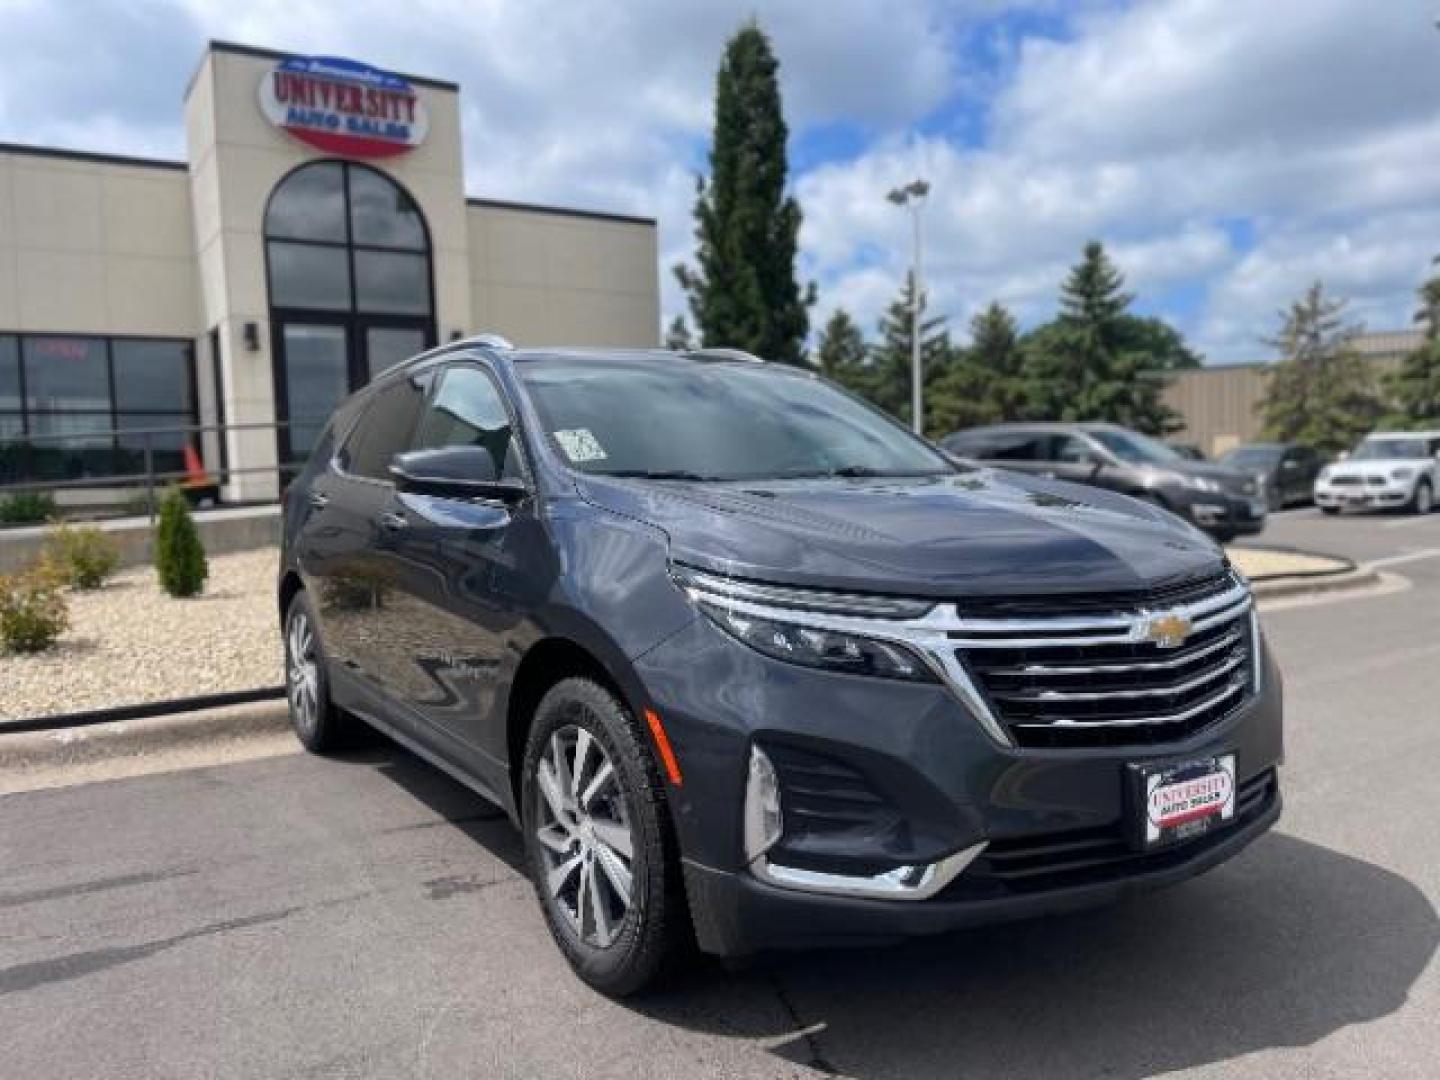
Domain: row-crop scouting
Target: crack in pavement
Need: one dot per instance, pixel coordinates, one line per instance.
(60, 892)
(815, 1058)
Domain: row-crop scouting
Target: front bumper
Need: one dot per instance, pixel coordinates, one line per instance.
(1223, 513)
(1366, 496)
(924, 782)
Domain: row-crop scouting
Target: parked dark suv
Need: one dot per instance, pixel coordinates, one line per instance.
(1225, 502)
(746, 660)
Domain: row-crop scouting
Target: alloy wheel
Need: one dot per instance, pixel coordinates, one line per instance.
(586, 842)
(302, 672)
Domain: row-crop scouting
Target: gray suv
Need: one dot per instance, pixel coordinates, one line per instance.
(1225, 502)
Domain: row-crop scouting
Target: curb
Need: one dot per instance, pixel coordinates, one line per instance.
(1315, 582)
(212, 730)
(141, 711)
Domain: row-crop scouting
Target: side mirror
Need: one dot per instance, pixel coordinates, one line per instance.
(454, 472)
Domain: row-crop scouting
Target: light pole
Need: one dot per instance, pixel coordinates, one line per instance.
(913, 195)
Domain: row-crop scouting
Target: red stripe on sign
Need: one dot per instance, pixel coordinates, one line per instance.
(349, 145)
(1191, 815)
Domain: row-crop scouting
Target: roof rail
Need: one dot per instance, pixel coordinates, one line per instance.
(723, 354)
(491, 341)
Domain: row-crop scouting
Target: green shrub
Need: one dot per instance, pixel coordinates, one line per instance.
(27, 508)
(179, 555)
(84, 557)
(33, 612)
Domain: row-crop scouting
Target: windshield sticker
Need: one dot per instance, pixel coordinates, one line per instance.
(580, 445)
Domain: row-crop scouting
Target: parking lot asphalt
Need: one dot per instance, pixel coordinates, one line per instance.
(363, 916)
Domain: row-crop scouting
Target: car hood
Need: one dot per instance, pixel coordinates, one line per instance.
(978, 533)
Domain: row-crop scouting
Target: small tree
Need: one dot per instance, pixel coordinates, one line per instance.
(179, 554)
(1322, 392)
(677, 338)
(1415, 387)
(33, 612)
(84, 557)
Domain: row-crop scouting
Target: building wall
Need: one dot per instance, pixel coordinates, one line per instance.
(95, 246)
(555, 277)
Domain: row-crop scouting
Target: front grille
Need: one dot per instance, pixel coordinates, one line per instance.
(1346, 481)
(1100, 682)
(1079, 857)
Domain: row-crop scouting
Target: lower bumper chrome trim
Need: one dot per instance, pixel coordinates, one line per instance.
(902, 883)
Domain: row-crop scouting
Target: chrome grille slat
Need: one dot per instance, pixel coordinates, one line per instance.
(1048, 696)
(1043, 670)
(1236, 686)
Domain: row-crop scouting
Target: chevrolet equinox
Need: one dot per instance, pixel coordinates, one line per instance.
(752, 666)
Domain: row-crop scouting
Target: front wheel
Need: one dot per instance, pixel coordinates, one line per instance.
(1423, 501)
(318, 725)
(598, 841)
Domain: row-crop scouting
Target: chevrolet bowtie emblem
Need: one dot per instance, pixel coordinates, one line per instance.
(1168, 631)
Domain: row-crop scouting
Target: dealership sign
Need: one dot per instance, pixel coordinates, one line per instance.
(344, 107)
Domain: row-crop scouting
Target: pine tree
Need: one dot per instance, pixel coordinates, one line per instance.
(891, 377)
(1322, 392)
(179, 554)
(1085, 365)
(743, 291)
(677, 338)
(841, 353)
(999, 362)
(1415, 387)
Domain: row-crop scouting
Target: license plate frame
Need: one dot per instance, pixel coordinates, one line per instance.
(1181, 800)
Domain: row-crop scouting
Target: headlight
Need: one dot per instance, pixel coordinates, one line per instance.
(1199, 483)
(1402, 474)
(810, 647)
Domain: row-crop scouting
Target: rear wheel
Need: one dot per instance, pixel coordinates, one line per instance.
(318, 724)
(598, 841)
(1423, 501)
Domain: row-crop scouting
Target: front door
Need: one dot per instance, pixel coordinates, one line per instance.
(320, 359)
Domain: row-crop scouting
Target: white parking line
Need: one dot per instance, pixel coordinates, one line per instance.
(1409, 556)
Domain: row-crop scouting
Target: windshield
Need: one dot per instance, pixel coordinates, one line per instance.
(714, 421)
(1386, 449)
(1252, 457)
(1135, 448)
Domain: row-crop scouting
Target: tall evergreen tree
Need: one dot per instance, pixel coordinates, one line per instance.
(996, 355)
(1085, 364)
(891, 375)
(677, 337)
(1415, 387)
(1322, 392)
(743, 291)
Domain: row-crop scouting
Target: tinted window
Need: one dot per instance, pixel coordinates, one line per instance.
(469, 411)
(382, 213)
(1135, 448)
(391, 281)
(308, 276)
(724, 421)
(384, 429)
(1016, 446)
(1071, 450)
(309, 204)
(9, 375)
(67, 374)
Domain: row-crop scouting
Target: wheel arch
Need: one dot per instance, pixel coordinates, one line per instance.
(290, 584)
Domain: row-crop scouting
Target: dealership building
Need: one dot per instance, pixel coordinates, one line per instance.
(318, 231)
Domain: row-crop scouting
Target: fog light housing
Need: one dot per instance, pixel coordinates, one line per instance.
(764, 820)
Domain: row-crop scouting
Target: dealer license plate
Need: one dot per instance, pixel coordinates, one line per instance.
(1185, 800)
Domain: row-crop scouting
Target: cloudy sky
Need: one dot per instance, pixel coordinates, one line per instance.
(1229, 151)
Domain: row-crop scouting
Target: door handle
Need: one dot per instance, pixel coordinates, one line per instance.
(318, 499)
(393, 522)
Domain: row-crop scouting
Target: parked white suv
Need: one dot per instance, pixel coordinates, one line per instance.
(1391, 469)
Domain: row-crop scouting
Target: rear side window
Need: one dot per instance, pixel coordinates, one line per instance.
(384, 428)
(1018, 446)
(468, 410)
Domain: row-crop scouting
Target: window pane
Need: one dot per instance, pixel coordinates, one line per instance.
(316, 370)
(76, 445)
(384, 430)
(386, 281)
(152, 375)
(9, 374)
(66, 374)
(167, 446)
(386, 346)
(381, 212)
(309, 205)
(468, 411)
(305, 276)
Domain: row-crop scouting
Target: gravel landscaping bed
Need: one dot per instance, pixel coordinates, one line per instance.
(130, 643)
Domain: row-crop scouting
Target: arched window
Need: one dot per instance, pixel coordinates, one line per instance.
(348, 259)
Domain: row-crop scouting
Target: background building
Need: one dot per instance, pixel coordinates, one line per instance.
(1220, 404)
(318, 232)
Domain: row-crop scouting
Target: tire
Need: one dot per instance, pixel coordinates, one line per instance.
(1423, 501)
(576, 834)
(317, 723)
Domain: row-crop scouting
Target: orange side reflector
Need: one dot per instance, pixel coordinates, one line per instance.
(662, 743)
